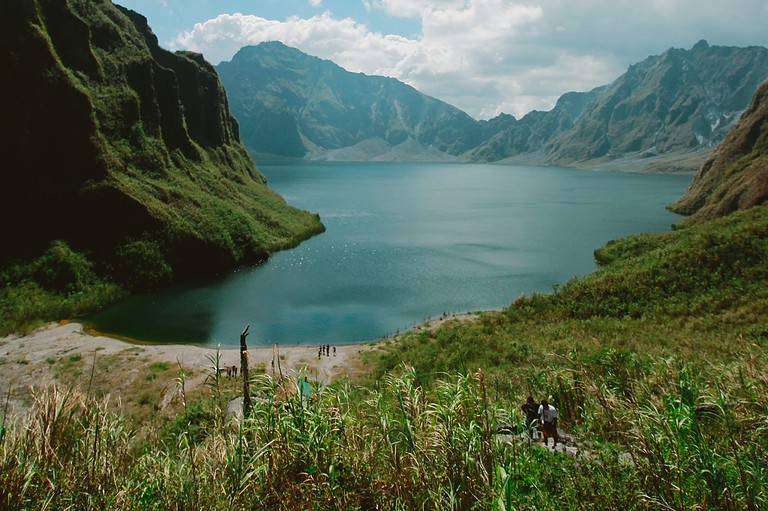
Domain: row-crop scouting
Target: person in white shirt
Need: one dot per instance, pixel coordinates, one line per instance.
(548, 421)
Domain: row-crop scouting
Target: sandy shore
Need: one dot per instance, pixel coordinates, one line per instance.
(142, 375)
(65, 354)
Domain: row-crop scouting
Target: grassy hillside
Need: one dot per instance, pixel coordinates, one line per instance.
(656, 363)
(125, 152)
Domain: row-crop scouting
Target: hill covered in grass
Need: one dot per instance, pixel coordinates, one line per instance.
(125, 151)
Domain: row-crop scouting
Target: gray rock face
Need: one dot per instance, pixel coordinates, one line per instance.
(680, 100)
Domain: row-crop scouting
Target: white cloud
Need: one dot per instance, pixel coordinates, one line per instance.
(315, 3)
(488, 56)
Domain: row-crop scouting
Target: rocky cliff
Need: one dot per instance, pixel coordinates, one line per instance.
(736, 176)
(681, 100)
(109, 140)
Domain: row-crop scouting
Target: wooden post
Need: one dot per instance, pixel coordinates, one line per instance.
(244, 372)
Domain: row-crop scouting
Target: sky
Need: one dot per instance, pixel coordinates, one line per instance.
(483, 56)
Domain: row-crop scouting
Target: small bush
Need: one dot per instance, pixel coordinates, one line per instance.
(61, 269)
(140, 265)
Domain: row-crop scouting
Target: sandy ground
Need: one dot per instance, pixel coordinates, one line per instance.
(142, 376)
(65, 354)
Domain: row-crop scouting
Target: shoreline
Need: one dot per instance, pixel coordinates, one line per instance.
(685, 163)
(428, 323)
(141, 375)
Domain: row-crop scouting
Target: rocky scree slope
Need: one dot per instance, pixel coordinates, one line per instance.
(109, 141)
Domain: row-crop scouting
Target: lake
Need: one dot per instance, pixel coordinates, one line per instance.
(406, 242)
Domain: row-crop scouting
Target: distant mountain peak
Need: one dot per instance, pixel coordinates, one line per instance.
(701, 45)
(292, 104)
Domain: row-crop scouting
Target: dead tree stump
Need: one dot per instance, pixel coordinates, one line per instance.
(244, 373)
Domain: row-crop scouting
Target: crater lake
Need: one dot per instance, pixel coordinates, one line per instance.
(406, 242)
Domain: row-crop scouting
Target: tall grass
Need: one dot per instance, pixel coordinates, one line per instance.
(671, 439)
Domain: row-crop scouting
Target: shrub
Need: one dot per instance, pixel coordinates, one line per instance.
(140, 265)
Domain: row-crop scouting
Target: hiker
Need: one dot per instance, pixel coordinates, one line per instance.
(334, 351)
(548, 421)
(531, 412)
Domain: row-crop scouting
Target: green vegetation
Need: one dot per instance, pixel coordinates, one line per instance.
(656, 363)
(402, 445)
(126, 152)
(61, 283)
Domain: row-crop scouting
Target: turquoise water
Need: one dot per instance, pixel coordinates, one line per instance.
(405, 242)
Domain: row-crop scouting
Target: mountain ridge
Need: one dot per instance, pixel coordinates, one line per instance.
(619, 120)
(313, 105)
(677, 101)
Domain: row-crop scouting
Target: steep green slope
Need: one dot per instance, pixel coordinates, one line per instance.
(736, 177)
(678, 101)
(291, 104)
(108, 140)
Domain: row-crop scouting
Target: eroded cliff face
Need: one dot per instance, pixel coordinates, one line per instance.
(108, 138)
(681, 100)
(736, 176)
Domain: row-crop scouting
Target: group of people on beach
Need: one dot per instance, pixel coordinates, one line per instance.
(325, 350)
(543, 417)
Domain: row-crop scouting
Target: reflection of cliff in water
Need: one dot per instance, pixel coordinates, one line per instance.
(180, 314)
